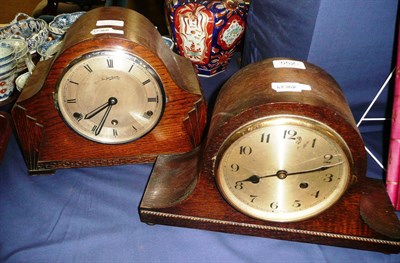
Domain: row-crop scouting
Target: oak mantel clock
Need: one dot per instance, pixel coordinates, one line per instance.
(114, 94)
(286, 161)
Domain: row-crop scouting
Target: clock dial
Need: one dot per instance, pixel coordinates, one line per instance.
(283, 168)
(110, 97)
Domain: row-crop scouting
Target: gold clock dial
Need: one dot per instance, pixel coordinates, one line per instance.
(110, 97)
(283, 168)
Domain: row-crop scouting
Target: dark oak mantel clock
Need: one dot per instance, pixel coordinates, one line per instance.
(283, 159)
(114, 94)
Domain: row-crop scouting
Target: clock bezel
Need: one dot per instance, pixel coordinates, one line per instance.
(115, 53)
(276, 120)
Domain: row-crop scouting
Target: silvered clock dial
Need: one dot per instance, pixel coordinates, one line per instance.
(110, 97)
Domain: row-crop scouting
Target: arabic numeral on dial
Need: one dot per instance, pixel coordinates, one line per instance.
(265, 137)
(290, 134)
(253, 197)
(239, 185)
(328, 178)
(313, 143)
(316, 195)
(328, 158)
(274, 205)
(115, 132)
(245, 150)
(235, 167)
(296, 204)
(94, 128)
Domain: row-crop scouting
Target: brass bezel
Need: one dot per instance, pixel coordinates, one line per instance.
(277, 120)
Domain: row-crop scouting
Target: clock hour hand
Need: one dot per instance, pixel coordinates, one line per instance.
(97, 110)
(282, 174)
(111, 102)
(255, 179)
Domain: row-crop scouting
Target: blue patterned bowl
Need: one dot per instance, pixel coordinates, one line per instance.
(48, 49)
(32, 30)
(62, 23)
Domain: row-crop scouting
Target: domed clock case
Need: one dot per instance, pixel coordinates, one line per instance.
(114, 94)
(283, 158)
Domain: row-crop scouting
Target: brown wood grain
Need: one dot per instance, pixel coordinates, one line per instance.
(57, 146)
(246, 97)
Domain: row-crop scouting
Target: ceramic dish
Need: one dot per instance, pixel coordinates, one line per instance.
(8, 67)
(61, 23)
(20, 46)
(22, 56)
(32, 30)
(7, 53)
(168, 41)
(7, 84)
(47, 49)
(21, 80)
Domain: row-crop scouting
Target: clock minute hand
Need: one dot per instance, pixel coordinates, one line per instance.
(111, 102)
(321, 168)
(282, 174)
(103, 120)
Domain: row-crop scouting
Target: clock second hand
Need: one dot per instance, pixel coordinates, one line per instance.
(282, 174)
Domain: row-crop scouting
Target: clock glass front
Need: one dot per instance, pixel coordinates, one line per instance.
(110, 97)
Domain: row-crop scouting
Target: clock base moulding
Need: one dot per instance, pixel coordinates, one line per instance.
(179, 195)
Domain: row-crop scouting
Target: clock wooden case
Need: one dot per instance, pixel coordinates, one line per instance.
(283, 159)
(114, 94)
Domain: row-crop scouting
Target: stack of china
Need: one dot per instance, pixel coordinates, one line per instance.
(8, 69)
(22, 56)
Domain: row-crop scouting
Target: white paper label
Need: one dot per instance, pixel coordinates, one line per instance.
(110, 23)
(106, 30)
(289, 87)
(286, 63)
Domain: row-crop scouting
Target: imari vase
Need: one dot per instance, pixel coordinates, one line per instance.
(207, 32)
